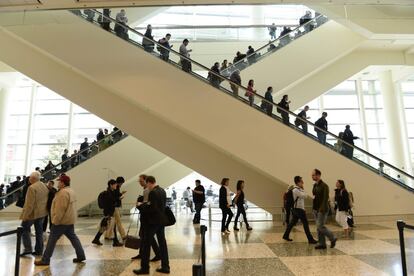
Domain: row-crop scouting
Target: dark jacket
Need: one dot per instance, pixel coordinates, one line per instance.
(50, 198)
(321, 123)
(153, 212)
(240, 200)
(223, 197)
(100, 136)
(321, 199)
(109, 203)
(212, 77)
(84, 146)
(269, 97)
(348, 136)
(302, 115)
(342, 200)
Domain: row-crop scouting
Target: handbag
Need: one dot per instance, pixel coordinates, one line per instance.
(170, 218)
(133, 241)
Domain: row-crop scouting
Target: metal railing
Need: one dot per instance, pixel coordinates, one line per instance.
(277, 44)
(18, 232)
(70, 163)
(401, 225)
(225, 85)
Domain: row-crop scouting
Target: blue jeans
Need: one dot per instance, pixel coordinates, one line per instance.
(56, 231)
(320, 219)
(27, 242)
(321, 137)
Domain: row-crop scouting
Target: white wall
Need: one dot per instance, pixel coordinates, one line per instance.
(185, 118)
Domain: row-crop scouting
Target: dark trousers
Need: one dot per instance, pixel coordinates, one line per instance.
(321, 137)
(287, 215)
(269, 109)
(240, 211)
(27, 242)
(197, 216)
(299, 214)
(304, 127)
(285, 118)
(148, 234)
(227, 214)
(47, 219)
(56, 231)
(186, 65)
(154, 243)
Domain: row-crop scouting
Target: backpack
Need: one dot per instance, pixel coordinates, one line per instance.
(288, 197)
(279, 105)
(101, 200)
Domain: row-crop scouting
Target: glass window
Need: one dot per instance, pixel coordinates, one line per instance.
(407, 86)
(51, 121)
(16, 152)
(340, 101)
(18, 122)
(374, 115)
(52, 106)
(15, 136)
(52, 136)
(344, 117)
(43, 93)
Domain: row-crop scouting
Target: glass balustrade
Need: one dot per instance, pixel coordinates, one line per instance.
(260, 104)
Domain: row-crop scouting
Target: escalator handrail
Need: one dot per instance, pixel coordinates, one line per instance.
(69, 160)
(255, 94)
(315, 19)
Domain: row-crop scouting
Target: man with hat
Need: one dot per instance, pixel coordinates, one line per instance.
(63, 215)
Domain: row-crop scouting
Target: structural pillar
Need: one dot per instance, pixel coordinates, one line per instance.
(394, 123)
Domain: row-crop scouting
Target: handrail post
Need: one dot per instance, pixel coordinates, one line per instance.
(203, 230)
(400, 226)
(18, 246)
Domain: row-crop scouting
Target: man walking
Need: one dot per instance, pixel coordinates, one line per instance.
(34, 212)
(321, 123)
(198, 198)
(298, 211)
(320, 210)
(63, 215)
(153, 213)
(116, 222)
(140, 201)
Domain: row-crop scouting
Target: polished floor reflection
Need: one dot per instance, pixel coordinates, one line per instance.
(373, 250)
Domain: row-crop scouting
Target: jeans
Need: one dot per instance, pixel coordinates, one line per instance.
(148, 235)
(299, 214)
(56, 231)
(285, 118)
(227, 213)
(320, 219)
(27, 242)
(304, 127)
(47, 219)
(321, 137)
(251, 100)
(197, 216)
(240, 211)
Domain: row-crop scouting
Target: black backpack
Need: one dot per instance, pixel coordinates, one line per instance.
(101, 199)
(289, 199)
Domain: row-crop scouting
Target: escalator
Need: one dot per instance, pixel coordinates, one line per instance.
(207, 129)
(91, 168)
(290, 60)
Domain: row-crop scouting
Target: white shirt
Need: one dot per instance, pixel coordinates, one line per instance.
(300, 195)
(228, 195)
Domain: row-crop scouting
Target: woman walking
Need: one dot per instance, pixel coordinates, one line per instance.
(239, 201)
(224, 204)
(342, 206)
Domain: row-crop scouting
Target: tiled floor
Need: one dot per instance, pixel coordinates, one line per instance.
(373, 250)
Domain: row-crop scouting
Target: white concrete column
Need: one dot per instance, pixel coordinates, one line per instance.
(393, 121)
(4, 111)
(362, 115)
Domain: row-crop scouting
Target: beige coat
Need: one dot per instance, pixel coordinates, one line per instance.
(35, 202)
(63, 211)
